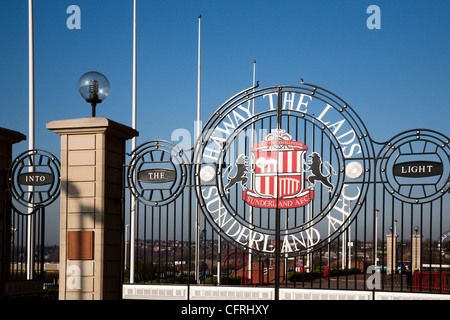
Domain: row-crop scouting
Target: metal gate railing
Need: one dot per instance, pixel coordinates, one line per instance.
(34, 183)
(27, 240)
(434, 281)
(23, 260)
(346, 212)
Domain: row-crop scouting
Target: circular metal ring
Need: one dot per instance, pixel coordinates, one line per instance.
(34, 178)
(415, 166)
(157, 172)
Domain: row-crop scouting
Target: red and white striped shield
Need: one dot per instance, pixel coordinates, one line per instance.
(277, 176)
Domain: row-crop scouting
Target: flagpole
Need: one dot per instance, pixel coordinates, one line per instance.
(253, 141)
(30, 75)
(134, 114)
(197, 222)
(198, 76)
(31, 137)
(133, 147)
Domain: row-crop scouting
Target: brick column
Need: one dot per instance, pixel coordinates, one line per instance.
(92, 158)
(7, 139)
(391, 257)
(416, 252)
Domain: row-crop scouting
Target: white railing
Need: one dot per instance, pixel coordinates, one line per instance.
(184, 292)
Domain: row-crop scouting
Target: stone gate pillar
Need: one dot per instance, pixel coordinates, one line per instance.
(7, 139)
(416, 262)
(92, 158)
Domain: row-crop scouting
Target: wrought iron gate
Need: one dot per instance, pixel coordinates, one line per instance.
(21, 223)
(34, 183)
(286, 188)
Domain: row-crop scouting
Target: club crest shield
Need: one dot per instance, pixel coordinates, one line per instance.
(278, 173)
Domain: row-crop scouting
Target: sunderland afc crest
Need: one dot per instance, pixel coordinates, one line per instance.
(278, 173)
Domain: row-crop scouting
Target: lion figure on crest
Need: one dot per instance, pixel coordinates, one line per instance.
(316, 171)
(241, 166)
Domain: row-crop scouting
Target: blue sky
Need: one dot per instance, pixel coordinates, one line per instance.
(396, 78)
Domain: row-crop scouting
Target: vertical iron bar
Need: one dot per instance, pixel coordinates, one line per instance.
(159, 244)
(182, 236)
(190, 229)
(277, 213)
(174, 247)
(345, 254)
(401, 249)
(383, 211)
(21, 247)
(212, 256)
(42, 242)
(440, 246)
(6, 247)
(411, 228)
(355, 250)
(167, 239)
(338, 251)
(431, 244)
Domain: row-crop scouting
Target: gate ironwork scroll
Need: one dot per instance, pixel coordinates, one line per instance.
(289, 178)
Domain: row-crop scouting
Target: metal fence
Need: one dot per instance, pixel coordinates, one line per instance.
(380, 221)
(27, 240)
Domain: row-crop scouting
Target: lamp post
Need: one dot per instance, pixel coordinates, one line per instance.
(94, 88)
(393, 229)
